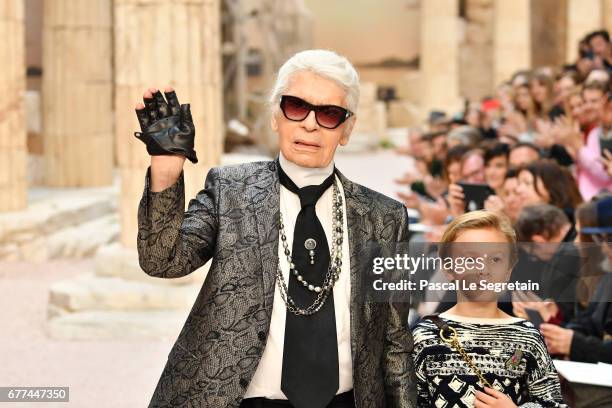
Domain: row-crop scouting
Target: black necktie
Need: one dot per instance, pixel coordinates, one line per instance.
(310, 352)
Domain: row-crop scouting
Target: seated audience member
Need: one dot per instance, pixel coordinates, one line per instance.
(463, 135)
(472, 115)
(472, 171)
(567, 127)
(503, 135)
(599, 44)
(476, 115)
(432, 208)
(496, 165)
(522, 154)
(573, 107)
(503, 94)
(427, 168)
(590, 172)
(541, 182)
(598, 75)
(413, 139)
(473, 166)
(490, 109)
(541, 89)
(462, 357)
(584, 62)
(547, 256)
(452, 163)
(435, 213)
(507, 201)
(437, 121)
(439, 148)
(520, 121)
(588, 336)
(564, 85)
(545, 182)
(591, 271)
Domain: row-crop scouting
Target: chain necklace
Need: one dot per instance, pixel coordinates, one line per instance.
(333, 271)
(453, 341)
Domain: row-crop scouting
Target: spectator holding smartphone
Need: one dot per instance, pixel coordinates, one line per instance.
(588, 336)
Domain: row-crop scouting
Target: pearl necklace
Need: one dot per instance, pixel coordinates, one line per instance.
(333, 271)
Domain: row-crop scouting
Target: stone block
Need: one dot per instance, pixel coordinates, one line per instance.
(367, 93)
(91, 292)
(402, 113)
(115, 260)
(409, 87)
(34, 249)
(9, 252)
(372, 121)
(83, 240)
(117, 325)
(60, 223)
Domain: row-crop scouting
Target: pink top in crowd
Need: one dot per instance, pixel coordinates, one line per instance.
(591, 175)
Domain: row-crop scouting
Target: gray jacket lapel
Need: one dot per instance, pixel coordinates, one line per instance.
(267, 213)
(356, 209)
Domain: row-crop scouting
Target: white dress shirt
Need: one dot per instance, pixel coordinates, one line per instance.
(267, 379)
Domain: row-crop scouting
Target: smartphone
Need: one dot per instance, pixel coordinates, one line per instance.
(605, 143)
(534, 317)
(475, 195)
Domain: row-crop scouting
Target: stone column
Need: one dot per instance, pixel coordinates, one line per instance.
(583, 16)
(156, 43)
(476, 50)
(13, 151)
(439, 55)
(548, 30)
(77, 93)
(606, 13)
(511, 38)
(160, 43)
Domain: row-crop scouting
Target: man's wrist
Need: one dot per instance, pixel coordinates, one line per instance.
(165, 171)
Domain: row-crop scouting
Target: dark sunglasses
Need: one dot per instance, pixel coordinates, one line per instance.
(327, 116)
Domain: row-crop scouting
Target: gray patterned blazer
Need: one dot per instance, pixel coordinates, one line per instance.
(234, 222)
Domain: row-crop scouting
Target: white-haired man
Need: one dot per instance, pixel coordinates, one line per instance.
(280, 320)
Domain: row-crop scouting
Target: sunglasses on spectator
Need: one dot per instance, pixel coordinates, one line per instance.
(327, 116)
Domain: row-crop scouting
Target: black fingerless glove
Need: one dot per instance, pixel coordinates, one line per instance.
(167, 127)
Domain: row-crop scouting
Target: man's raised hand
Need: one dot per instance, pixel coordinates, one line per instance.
(166, 125)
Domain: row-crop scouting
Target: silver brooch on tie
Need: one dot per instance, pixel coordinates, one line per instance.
(310, 244)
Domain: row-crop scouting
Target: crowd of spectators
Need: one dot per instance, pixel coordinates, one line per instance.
(540, 149)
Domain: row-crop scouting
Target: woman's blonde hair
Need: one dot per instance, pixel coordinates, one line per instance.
(479, 219)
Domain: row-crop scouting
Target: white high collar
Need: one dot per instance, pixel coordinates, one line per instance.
(305, 176)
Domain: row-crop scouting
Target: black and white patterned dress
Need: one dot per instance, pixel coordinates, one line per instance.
(510, 353)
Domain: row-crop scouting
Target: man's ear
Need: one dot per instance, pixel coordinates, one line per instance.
(273, 122)
(348, 129)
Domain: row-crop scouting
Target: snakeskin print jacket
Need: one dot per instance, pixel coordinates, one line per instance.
(234, 221)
